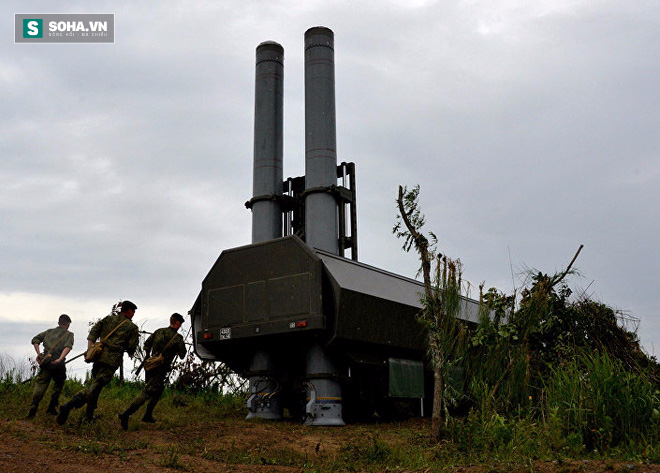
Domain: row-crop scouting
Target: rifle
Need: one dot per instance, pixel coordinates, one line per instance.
(141, 365)
(75, 357)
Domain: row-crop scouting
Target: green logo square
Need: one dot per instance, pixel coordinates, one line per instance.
(33, 28)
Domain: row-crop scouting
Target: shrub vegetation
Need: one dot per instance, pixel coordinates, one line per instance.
(545, 372)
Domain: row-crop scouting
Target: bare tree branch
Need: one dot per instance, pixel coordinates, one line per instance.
(563, 275)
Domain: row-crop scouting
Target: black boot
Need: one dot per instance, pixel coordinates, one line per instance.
(64, 413)
(123, 420)
(89, 415)
(149, 414)
(32, 412)
(65, 408)
(52, 408)
(124, 416)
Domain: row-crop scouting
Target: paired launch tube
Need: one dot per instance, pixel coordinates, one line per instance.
(321, 225)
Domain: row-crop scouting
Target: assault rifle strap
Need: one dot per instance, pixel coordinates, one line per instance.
(168, 344)
(114, 330)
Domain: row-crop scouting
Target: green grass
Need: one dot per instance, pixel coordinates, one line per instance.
(596, 402)
(591, 409)
(172, 459)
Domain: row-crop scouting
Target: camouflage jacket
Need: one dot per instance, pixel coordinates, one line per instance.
(124, 339)
(160, 338)
(50, 340)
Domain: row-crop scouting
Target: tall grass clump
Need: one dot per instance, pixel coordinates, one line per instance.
(603, 403)
(13, 372)
(13, 390)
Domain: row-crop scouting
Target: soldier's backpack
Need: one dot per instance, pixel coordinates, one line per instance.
(154, 362)
(94, 352)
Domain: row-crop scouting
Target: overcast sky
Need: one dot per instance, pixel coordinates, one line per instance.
(531, 127)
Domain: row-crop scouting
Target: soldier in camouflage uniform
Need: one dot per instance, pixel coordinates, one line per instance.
(58, 342)
(163, 341)
(124, 339)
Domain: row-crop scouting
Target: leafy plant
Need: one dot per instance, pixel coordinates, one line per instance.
(441, 305)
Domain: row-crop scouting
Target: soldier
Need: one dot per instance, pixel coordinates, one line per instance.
(124, 338)
(167, 342)
(58, 342)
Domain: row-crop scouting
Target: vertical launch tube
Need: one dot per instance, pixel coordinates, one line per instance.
(324, 399)
(268, 142)
(320, 139)
(266, 209)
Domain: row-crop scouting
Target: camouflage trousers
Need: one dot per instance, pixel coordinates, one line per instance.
(153, 390)
(101, 376)
(56, 373)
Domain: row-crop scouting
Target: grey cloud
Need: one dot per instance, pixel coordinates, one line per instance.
(530, 128)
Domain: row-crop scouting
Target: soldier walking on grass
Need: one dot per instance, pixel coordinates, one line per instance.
(168, 343)
(57, 342)
(118, 335)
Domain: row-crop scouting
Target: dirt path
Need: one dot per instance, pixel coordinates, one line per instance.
(29, 447)
(232, 446)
